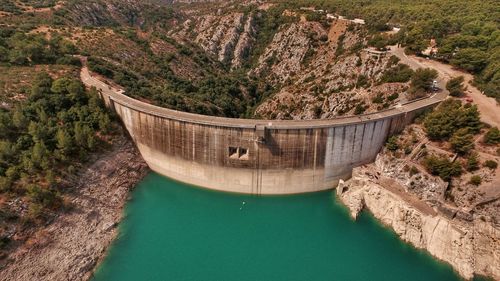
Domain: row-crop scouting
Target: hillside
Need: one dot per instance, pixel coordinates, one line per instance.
(244, 59)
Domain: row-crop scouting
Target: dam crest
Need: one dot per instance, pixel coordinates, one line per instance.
(255, 156)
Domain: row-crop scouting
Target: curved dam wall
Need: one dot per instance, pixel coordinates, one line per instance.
(255, 156)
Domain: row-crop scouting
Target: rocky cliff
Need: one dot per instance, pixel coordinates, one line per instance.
(471, 247)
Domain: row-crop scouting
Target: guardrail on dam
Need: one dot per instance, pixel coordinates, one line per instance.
(255, 156)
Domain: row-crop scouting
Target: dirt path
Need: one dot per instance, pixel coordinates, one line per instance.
(487, 106)
(71, 246)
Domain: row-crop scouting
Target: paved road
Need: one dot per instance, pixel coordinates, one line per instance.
(487, 106)
(117, 96)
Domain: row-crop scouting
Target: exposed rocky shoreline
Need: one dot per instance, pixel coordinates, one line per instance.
(470, 246)
(75, 242)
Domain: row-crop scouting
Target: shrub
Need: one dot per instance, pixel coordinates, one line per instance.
(401, 73)
(475, 180)
(450, 116)
(462, 141)
(378, 99)
(360, 108)
(472, 162)
(442, 167)
(491, 164)
(413, 171)
(492, 136)
(421, 82)
(455, 86)
(392, 143)
(362, 82)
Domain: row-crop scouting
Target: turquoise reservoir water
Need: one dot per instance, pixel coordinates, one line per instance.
(177, 232)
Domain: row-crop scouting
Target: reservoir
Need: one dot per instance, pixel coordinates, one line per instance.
(172, 231)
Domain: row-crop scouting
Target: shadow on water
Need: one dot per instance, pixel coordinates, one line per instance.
(172, 231)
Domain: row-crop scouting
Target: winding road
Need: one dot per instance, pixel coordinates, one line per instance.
(487, 106)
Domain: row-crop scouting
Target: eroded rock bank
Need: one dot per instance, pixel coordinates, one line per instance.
(471, 246)
(73, 244)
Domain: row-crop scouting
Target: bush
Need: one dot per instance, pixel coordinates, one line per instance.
(475, 180)
(450, 116)
(462, 141)
(491, 164)
(43, 197)
(455, 86)
(421, 82)
(360, 108)
(472, 162)
(442, 167)
(401, 73)
(492, 136)
(413, 171)
(378, 99)
(392, 143)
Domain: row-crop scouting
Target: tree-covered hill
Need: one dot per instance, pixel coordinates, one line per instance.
(467, 32)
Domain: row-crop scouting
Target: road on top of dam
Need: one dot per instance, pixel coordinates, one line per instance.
(117, 95)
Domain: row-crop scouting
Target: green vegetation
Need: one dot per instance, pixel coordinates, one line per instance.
(400, 73)
(392, 143)
(472, 162)
(213, 95)
(492, 136)
(413, 171)
(491, 164)
(475, 180)
(455, 86)
(39, 3)
(19, 48)
(462, 141)
(466, 32)
(449, 117)
(359, 109)
(9, 6)
(421, 82)
(42, 138)
(442, 167)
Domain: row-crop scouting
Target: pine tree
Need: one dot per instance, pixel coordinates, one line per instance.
(64, 142)
(462, 141)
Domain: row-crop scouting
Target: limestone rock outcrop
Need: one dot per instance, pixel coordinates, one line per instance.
(470, 247)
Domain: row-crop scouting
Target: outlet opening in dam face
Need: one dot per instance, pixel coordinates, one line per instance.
(174, 231)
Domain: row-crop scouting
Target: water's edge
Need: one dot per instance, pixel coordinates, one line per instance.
(366, 220)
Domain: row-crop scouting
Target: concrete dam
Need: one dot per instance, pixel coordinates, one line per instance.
(255, 156)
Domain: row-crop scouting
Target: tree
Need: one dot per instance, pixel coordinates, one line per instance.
(470, 59)
(401, 73)
(455, 86)
(462, 141)
(472, 162)
(104, 123)
(450, 116)
(39, 155)
(64, 142)
(40, 86)
(421, 82)
(442, 167)
(392, 143)
(492, 136)
(18, 118)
